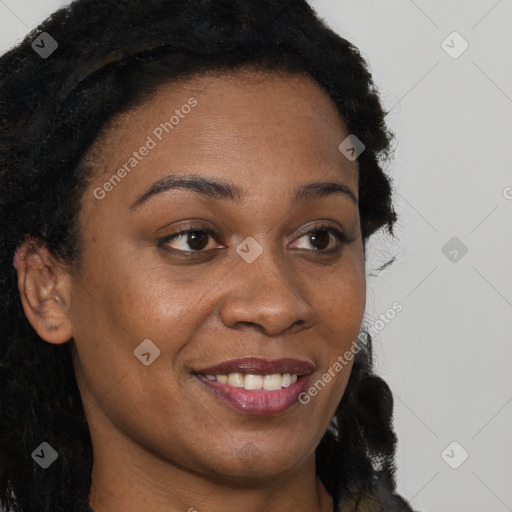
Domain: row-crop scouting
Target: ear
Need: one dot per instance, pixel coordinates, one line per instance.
(45, 288)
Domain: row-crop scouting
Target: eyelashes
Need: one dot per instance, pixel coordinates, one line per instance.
(197, 238)
(185, 233)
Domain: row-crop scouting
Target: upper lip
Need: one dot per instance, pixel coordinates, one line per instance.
(258, 366)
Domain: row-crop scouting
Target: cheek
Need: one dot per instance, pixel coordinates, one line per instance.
(115, 308)
(340, 305)
(113, 314)
(340, 298)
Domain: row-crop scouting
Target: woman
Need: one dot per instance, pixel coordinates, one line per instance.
(187, 188)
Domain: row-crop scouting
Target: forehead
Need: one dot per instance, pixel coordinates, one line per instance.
(252, 127)
(238, 107)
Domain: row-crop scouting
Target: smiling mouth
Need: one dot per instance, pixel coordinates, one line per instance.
(254, 382)
(262, 402)
(260, 366)
(257, 386)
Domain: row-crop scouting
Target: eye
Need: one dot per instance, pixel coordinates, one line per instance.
(194, 240)
(190, 239)
(323, 236)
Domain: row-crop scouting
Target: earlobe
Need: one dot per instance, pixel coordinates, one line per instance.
(44, 287)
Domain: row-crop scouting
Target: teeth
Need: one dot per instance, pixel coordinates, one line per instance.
(287, 380)
(236, 379)
(255, 382)
(223, 379)
(272, 382)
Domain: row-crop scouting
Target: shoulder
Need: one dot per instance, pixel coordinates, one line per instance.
(378, 497)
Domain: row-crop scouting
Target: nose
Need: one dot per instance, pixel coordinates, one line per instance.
(266, 295)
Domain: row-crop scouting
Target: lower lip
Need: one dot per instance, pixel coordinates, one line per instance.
(260, 402)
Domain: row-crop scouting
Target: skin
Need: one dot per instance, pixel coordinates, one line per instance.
(161, 440)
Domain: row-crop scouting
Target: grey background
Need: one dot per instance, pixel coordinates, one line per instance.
(447, 354)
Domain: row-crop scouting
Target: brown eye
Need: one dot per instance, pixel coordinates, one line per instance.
(189, 240)
(321, 237)
(197, 240)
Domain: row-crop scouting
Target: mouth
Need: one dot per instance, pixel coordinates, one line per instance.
(257, 386)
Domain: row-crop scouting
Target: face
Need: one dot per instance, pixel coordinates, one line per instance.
(262, 281)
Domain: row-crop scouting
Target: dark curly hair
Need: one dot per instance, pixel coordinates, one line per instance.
(111, 56)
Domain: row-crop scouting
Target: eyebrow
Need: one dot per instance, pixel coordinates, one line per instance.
(223, 190)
